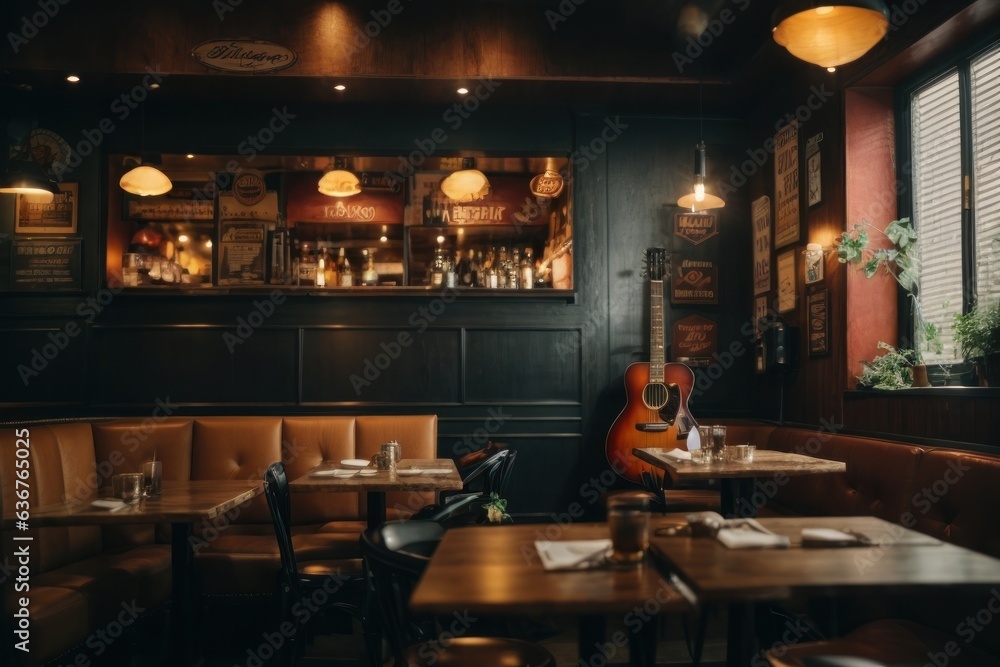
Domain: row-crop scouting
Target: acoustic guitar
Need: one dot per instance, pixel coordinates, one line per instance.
(656, 414)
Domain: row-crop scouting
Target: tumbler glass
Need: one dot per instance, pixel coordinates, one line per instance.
(628, 522)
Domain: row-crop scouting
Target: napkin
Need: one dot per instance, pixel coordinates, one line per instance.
(678, 454)
(333, 472)
(748, 534)
(830, 537)
(108, 504)
(426, 471)
(572, 554)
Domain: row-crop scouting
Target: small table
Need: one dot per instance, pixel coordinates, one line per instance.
(737, 480)
(496, 570)
(376, 485)
(181, 504)
(899, 560)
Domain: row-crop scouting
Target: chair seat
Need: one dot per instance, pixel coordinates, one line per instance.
(321, 569)
(887, 641)
(479, 652)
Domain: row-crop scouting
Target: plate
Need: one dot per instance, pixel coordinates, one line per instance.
(409, 472)
(329, 472)
(368, 473)
(356, 464)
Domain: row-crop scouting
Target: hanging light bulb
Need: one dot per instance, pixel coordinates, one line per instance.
(337, 181)
(467, 184)
(831, 33)
(699, 199)
(24, 174)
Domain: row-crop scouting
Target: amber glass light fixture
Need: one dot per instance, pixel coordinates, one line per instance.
(145, 180)
(830, 35)
(698, 199)
(467, 184)
(338, 181)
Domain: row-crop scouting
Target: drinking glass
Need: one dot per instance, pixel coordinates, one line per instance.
(131, 487)
(152, 478)
(628, 522)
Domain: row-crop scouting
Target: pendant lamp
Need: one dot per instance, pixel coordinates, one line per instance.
(24, 175)
(337, 181)
(699, 200)
(467, 184)
(830, 33)
(145, 180)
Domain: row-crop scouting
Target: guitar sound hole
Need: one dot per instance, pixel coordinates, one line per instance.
(655, 396)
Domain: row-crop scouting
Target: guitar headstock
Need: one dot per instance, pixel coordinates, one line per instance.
(656, 263)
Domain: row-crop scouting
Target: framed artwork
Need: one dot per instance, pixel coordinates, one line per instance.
(786, 185)
(818, 305)
(813, 264)
(56, 217)
(815, 181)
(786, 281)
(760, 215)
(760, 312)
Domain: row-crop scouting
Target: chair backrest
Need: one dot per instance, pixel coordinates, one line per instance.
(486, 475)
(279, 501)
(396, 555)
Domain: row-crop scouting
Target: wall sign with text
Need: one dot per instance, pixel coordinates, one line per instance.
(696, 228)
(695, 281)
(786, 185)
(818, 306)
(761, 221)
(47, 264)
(694, 336)
(244, 56)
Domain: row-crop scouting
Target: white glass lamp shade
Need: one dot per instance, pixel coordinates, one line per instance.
(466, 185)
(146, 181)
(339, 183)
(830, 35)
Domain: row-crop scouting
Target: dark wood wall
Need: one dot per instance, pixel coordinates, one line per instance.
(543, 373)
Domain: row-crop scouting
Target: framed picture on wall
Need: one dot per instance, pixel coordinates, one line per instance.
(56, 217)
(818, 305)
(786, 281)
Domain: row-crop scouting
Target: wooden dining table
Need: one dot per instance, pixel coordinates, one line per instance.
(181, 504)
(894, 560)
(738, 481)
(376, 486)
(496, 570)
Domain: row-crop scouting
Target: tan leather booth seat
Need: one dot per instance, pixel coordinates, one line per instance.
(81, 576)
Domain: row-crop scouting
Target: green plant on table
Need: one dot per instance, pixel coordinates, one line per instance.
(496, 509)
(892, 370)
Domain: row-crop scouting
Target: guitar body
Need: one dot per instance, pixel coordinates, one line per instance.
(656, 415)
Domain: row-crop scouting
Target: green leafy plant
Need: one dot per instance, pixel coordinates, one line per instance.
(977, 332)
(892, 370)
(899, 261)
(496, 509)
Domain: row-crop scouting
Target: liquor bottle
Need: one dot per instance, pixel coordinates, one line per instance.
(280, 253)
(463, 268)
(369, 277)
(346, 274)
(450, 274)
(437, 268)
(502, 268)
(321, 262)
(514, 270)
(492, 280)
(476, 267)
(332, 271)
(527, 270)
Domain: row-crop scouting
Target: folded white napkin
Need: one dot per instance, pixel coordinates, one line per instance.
(742, 538)
(107, 504)
(333, 472)
(678, 454)
(572, 554)
(423, 471)
(830, 537)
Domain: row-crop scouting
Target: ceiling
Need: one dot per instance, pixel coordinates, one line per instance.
(625, 55)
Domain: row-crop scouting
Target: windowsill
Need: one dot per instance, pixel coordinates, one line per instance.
(950, 392)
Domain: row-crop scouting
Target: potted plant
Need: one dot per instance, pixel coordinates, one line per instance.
(977, 334)
(900, 262)
(892, 370)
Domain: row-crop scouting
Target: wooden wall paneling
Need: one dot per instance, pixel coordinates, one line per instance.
(522, 365)
(394, 365)
(266, 367)
(44, 363)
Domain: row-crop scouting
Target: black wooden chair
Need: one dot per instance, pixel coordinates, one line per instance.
(329, 585)
(396, 555)
(489, 476)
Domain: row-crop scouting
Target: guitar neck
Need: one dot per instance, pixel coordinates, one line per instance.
(656, 332)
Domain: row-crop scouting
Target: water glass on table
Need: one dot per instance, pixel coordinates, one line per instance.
(713, 439)
(130, 487)
(152, 478)
(628, 523)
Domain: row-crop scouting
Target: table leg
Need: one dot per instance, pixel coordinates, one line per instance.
(740, 634)
(642, 644)
(591, 636)
(737, 497)
(183, 606)
(376, 508)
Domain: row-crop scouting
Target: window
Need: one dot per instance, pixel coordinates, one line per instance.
(954, 122)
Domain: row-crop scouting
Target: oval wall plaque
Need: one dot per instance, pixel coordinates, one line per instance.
(249, 188)
(244, 56)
